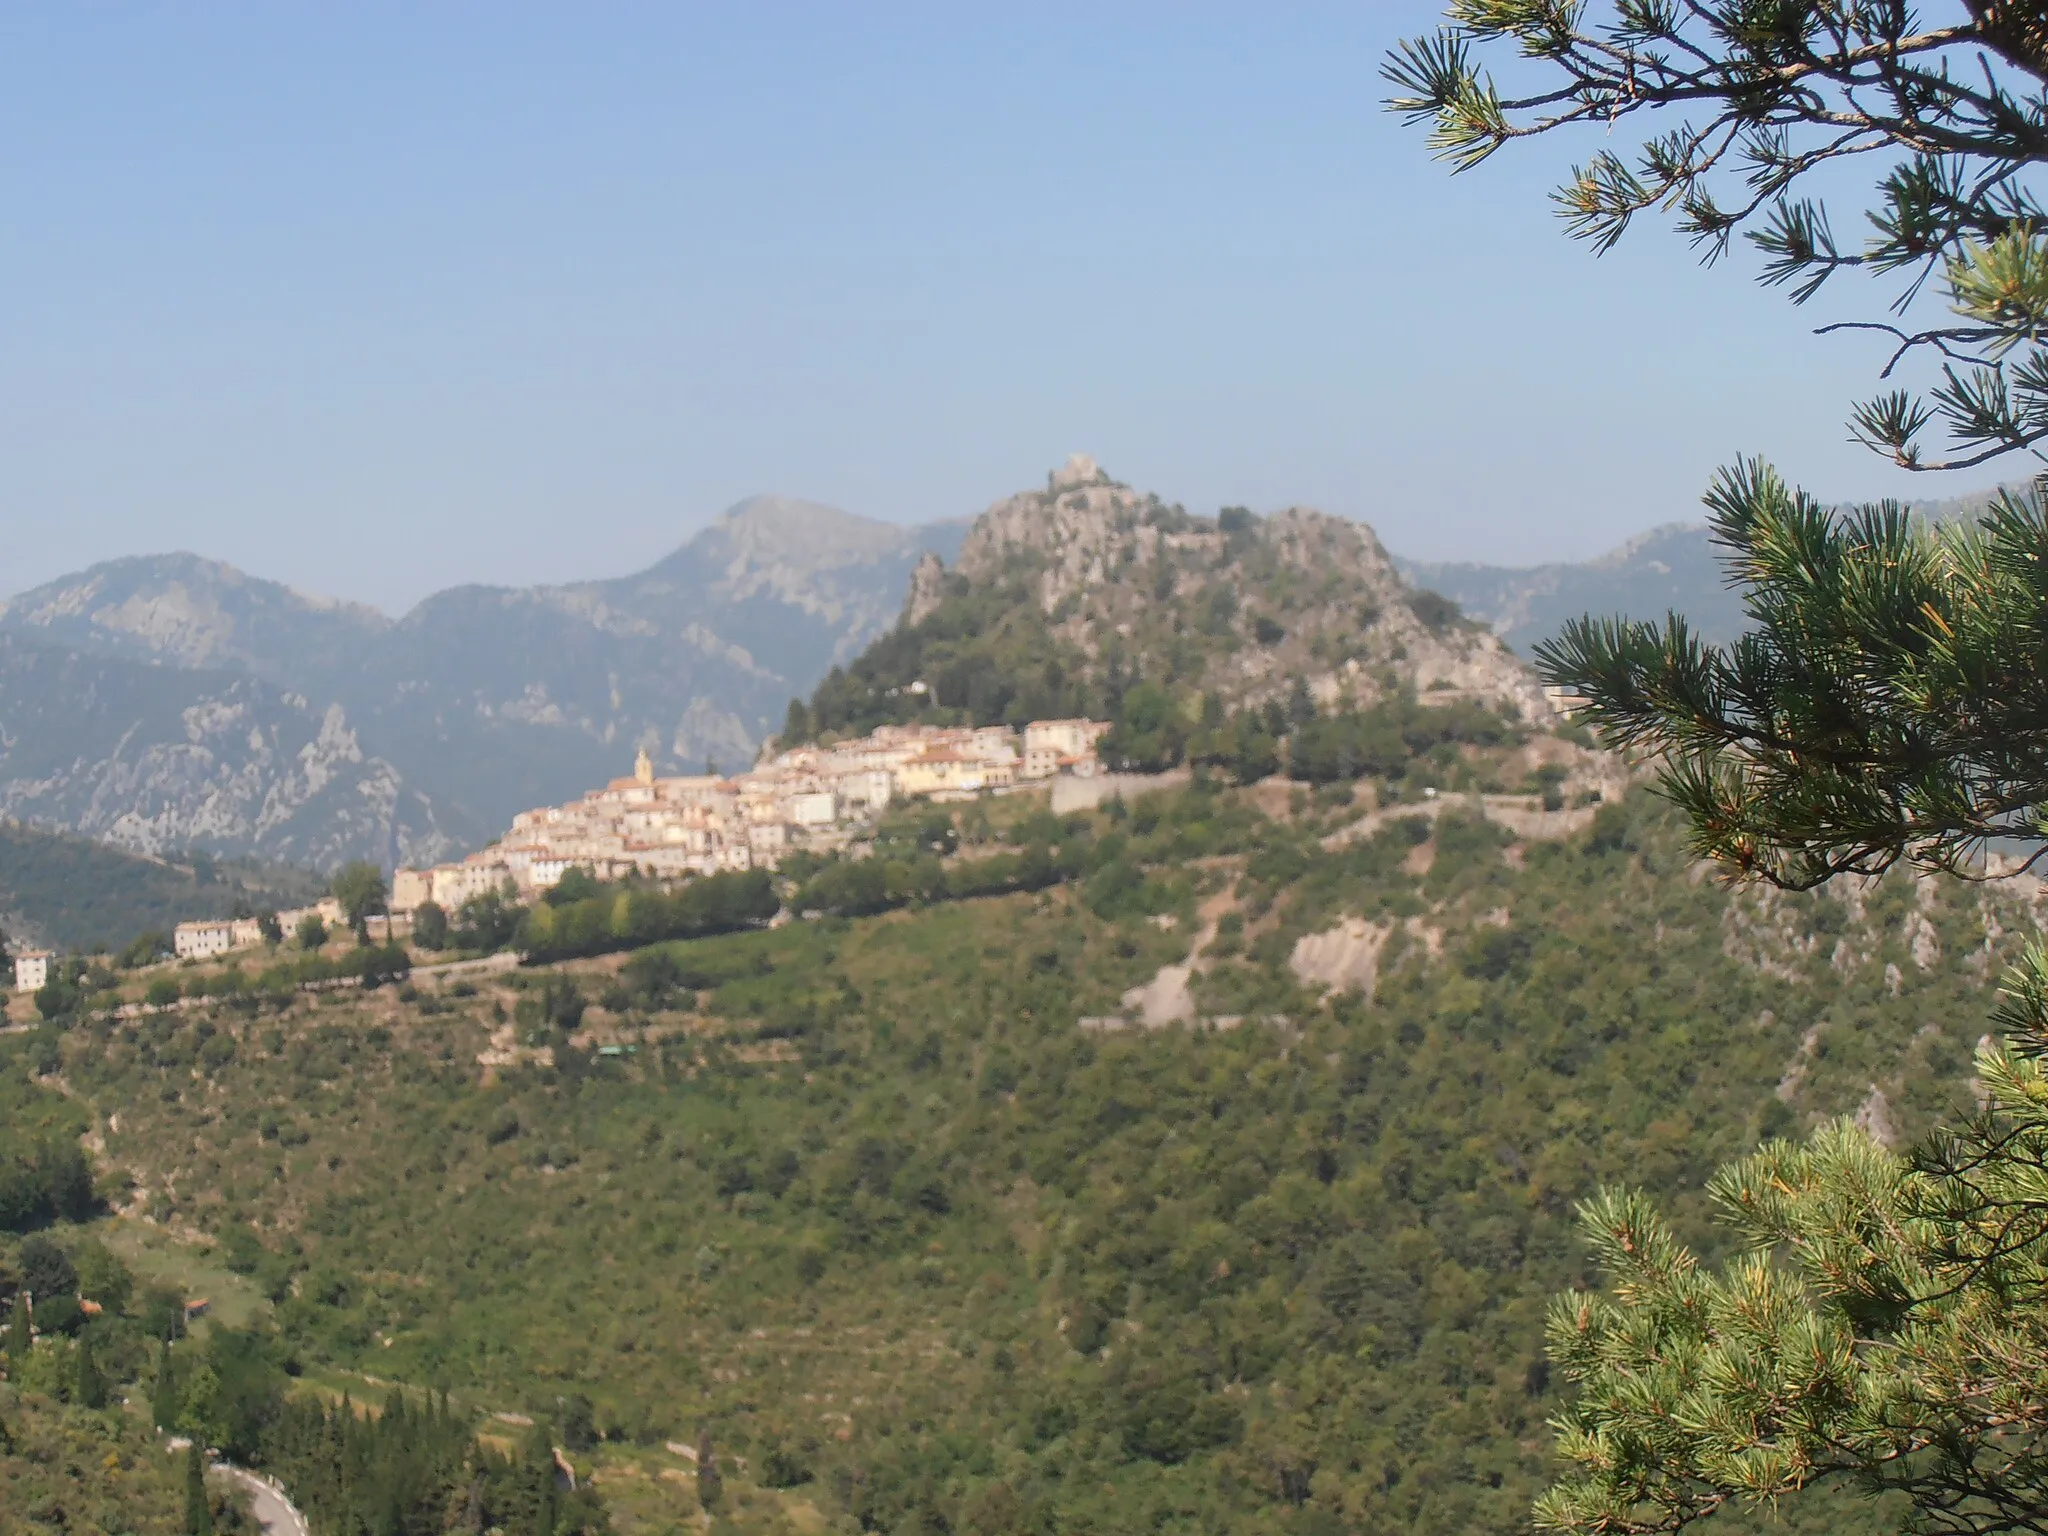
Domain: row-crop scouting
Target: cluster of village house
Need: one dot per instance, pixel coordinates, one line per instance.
(813, 797)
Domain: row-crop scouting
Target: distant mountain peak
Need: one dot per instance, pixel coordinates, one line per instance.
(787, 530)
(188, 610)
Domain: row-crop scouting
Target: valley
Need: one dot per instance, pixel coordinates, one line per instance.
(1182, 993)
(1196, 1153)
(862, 1197)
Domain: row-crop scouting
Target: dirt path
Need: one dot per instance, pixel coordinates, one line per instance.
(1522, 815)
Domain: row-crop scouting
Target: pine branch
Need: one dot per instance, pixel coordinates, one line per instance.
(1789, 87)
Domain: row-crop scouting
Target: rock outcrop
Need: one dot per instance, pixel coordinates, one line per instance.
(1345, 958)
(1298, 594)
(158, 760)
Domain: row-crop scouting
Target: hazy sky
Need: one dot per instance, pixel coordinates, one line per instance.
(379, 298)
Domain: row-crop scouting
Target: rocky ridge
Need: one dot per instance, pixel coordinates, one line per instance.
(1673, 568)
(1297, 594)
(160, 759)
(188, 611)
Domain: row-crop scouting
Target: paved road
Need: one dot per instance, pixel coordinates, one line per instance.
(273, 1511)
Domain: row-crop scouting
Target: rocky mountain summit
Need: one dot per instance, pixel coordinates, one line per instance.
(1064, 596)
(170, 701)
(187, 611)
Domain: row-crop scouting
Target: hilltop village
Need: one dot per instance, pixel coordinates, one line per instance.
(810, 797)
(814, 797)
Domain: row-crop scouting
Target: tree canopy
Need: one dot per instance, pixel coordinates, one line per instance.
(1949, 116)
(1882, 1323)
(1890, 701)
(360, 889)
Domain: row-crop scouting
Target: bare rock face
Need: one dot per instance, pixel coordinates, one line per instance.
(1345, 958)
(1079, 470)
(1163, 1000)
(192, 612)
(157, 760)
(1874, 1118)
(927, 586)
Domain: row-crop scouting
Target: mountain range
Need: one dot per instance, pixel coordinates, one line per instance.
(1673, 568)
(1669, 569)
(167, 701)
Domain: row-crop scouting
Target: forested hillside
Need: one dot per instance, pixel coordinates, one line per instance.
(84, 1473)
(77, 894)
(914, 1217)
(1202, 1163)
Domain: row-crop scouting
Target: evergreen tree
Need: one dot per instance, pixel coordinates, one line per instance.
(534, 1491)
(359, 887)
(1885, 1320)
(1776, 92)
(710, 1486)
(1891, 701)
(89, 1385)
(1885, 1323)
(796, 724)
(163, 1396)
(198, 1512)
(430, 925)
(18, 1334)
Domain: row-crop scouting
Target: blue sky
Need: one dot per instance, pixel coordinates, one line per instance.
(379, 298)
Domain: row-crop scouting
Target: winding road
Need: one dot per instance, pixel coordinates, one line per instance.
(273, 1511)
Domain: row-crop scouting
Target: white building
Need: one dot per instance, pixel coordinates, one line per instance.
(818, 808)
(327, 909)
(456, 884)
(202, 941)
(1063, 738)
(32, 970)
(545, 871)
(869, 788)
(808, 797)
(411, 889)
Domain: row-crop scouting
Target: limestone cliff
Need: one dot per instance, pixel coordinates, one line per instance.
(158, 760)
(1237, 607)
